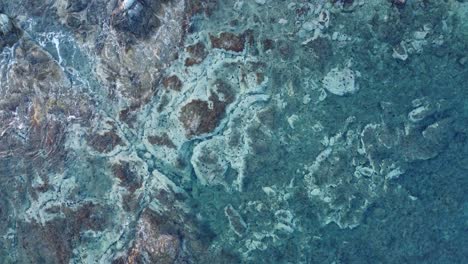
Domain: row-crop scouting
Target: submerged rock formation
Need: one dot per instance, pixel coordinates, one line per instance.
(205, 131)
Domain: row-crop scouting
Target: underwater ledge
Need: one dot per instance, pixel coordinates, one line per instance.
(254, 131)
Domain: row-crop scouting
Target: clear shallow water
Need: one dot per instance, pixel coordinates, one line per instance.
(234, 132)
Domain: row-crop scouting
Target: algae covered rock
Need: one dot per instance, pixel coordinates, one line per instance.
(208, 131)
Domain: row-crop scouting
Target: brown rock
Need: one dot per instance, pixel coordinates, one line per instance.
(162, 140)
(199, 117)
(127, 116)
(195, 7)
(88, 217)
(161, 245)
(172, 83)
(197, 54)
(106, 142)
(228, 41)
(45, 244)
(128, 178)
(53, 242)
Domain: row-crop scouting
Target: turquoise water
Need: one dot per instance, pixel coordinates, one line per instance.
(253, 131)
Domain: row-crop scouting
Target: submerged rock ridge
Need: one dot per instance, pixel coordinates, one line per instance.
(253, 131)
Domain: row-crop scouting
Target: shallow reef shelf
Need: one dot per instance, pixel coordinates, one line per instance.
(243, 131)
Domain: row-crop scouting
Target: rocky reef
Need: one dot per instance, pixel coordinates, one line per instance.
(253, 131)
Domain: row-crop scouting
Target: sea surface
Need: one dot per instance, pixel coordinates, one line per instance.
(234, 131)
